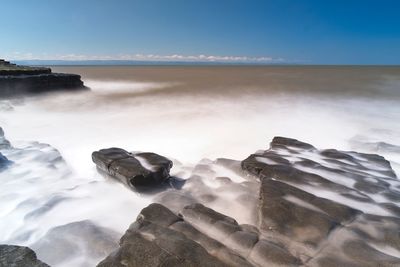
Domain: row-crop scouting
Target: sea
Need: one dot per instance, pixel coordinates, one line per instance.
(186, 113)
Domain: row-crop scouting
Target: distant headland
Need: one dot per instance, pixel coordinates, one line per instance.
(16, 80)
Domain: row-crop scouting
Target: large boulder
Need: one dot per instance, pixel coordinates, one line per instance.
(136, 170)
(17, 256)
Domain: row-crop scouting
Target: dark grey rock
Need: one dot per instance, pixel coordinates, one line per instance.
(4, 143)
(284, 142)
(337, 230)
(150, 244)
(265, 251)
(21, 80)
(138, 171)
(17, 256)
(200, 237)
(158, 214)
(4, 162)
(310, 224)
(302, 206)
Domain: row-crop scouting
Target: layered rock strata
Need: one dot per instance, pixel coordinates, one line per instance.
(136, 170)
(21, 80)
(314, 208)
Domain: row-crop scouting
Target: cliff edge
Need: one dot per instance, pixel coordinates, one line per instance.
(18, 80)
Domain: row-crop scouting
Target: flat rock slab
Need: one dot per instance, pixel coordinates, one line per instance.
(17, 256)
(334, 208)
(139, 171)
(199, 236)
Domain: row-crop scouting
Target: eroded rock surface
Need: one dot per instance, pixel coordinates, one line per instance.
(136, 170)
(17, 256)
(290, 205)
(328, 205)
(199, 236)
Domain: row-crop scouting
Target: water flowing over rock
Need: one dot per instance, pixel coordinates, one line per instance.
(39, 200)
(17, 256)
(314, 208)
(321, 203)
(64, 243)
(136, 170)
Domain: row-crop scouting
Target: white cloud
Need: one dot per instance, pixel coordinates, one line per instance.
(144, 57)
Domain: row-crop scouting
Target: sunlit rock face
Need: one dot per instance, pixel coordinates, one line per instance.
(290, 205)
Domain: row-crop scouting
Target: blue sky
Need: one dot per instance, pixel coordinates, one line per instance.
(292, 31)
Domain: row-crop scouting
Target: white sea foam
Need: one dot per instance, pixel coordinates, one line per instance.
(186, 127)
(112, 86)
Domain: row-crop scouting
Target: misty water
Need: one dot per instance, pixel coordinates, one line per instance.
(187, 114)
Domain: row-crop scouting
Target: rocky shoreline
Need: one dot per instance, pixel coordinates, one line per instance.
(21, 80)
(289, 205)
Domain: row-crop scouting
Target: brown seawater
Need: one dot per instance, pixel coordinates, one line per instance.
(186, 113)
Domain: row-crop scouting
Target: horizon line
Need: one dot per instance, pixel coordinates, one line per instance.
(86, 62)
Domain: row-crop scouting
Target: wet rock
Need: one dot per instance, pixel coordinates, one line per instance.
(268, 252)
(284, 142)
(200, 236)
(138, 171)
(149, 242)
(298, 214)
(327, 207)
(4, 162)
(158, 214)
(4, 143)
(17, 256)
(220, 225)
